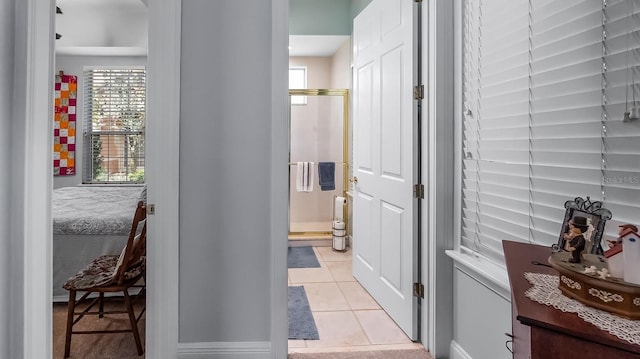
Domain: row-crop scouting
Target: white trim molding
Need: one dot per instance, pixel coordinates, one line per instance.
(437, 319)
(279, 176)
(163, 136)
(33, 183)
(487, 273)
(225, 350)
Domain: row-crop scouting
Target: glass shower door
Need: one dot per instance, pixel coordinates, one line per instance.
(318, 133)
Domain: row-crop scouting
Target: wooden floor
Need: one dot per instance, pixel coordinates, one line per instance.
(94, 346)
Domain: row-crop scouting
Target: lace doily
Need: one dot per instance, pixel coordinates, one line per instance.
(545, 291)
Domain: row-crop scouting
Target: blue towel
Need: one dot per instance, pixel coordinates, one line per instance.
(326, 171)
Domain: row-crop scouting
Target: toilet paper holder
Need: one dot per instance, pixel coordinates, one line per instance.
(339, 228)
(338, 208)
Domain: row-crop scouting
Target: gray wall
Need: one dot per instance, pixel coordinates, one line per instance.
(74, 65)
(482, 316)
(225, 155)
(6, 94)
(15, 205)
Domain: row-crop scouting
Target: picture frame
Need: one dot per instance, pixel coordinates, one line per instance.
(596, 217)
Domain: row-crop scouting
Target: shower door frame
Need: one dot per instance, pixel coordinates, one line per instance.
(345, 154)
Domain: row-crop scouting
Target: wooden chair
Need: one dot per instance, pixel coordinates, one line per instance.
(110, 274)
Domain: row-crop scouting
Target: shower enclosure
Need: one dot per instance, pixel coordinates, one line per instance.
(318, 133)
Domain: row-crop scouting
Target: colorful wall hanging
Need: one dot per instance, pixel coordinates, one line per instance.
(64, 125)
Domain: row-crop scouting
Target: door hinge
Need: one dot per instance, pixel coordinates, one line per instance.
(418, 92)
(418, 191)
(418, 290)
(151, 209)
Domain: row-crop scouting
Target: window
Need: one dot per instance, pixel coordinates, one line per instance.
(544, 86)
(298, 80)
(114, 126)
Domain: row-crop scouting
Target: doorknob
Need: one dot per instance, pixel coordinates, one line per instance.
(354, 179)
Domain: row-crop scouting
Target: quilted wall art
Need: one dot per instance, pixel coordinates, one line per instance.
(64, 125)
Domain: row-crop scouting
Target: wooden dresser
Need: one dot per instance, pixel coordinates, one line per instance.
(543, 332)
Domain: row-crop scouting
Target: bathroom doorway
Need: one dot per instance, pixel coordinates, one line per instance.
(345, 316)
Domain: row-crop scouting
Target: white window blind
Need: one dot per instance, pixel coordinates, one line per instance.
(621, 141)
(566, 96)
(543, 94)
(496, 125)
(115, 114)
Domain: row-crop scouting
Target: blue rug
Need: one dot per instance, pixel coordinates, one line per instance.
(301, 322)
(302, 257)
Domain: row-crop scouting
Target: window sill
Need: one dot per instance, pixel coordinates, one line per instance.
(111, 184)
(483, 270)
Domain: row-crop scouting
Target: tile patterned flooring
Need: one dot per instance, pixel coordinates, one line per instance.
(348, 319)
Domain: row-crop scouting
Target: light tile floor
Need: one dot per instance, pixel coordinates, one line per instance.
(347, 317)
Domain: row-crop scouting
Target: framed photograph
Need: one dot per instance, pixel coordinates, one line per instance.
(586, 219)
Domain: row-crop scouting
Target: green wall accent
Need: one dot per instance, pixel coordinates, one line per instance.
(357, 6)
(323, 17)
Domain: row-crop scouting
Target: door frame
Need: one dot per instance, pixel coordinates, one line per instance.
(163, 140)
(163, 92)
(163, 103)
(31, 187)
(438, 170)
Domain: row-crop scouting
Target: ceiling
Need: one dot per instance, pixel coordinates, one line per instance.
(100, 26)
(120, 27)
(315, 45)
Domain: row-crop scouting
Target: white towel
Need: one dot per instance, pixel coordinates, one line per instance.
(299, 170)
(304, 176)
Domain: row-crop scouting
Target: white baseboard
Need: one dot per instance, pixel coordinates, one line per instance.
(225, 350)
(457, 352)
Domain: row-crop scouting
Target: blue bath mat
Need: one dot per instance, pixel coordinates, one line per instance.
(302, 257)
(301, 322)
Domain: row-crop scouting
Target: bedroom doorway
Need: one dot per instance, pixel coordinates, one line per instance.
(106, 63)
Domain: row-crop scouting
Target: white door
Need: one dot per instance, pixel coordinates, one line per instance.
(383, 158)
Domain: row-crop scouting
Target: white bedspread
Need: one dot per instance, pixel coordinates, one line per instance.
(94, 210)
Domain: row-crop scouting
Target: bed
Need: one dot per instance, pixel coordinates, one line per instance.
(89, 221)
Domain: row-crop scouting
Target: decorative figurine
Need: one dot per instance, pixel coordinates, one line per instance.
(615, 260)
(596, 217)
(631, 255)
(574, 238)
(621, 228)
(614, 255)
